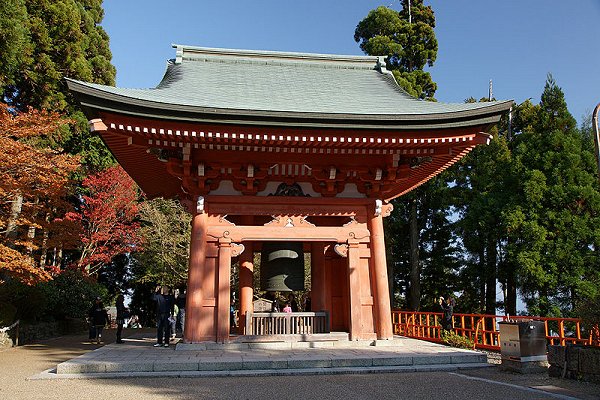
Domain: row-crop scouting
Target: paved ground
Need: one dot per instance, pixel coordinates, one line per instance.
(18, 365)
(137, 357)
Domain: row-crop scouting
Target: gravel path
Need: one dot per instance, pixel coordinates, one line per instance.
(17, 365)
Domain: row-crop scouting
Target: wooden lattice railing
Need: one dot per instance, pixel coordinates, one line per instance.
(280, 323)
(482, 329)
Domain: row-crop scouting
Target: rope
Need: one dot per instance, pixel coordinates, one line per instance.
(2, 330)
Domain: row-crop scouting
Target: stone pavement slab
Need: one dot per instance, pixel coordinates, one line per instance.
(137, 357)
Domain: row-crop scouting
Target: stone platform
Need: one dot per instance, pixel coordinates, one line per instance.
(137, 357)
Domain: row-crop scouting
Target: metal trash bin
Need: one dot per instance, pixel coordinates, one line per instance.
(523, 344)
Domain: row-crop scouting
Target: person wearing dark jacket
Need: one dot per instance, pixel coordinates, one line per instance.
(180, 300)
(447, 306)
(99, 318)
(122, 314)
(164, 310)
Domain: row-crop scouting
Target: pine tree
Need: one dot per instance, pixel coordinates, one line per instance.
(408, 42)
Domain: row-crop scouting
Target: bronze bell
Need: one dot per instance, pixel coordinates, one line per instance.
(282, 267)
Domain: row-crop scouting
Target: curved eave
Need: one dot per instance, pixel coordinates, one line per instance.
(94, 100)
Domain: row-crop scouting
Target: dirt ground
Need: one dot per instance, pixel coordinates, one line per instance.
(19, 364)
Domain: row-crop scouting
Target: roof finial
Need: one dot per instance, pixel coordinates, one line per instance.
(490, 92)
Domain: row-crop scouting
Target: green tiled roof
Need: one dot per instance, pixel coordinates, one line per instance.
(288, 85)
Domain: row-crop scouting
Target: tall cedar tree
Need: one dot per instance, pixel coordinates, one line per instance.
(554, 222)
(108, 215)
(408, 40)
(34, 184)
(42, 42)
(408, 45)
(483, 191)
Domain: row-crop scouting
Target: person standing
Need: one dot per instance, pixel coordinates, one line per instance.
(92, 327)
(307, 303)
(122, 314)
(164, 310)
(447, 306)
(99, 318)
(180, 302)
(293, 303)
(174, 311)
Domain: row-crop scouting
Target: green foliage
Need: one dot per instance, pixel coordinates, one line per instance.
(556, 206)
(455, 340)
(417, 83)
(95, 156)
(71, 294)
(7, 314)
(523, 211)
(26, 302)
(13, 39)
(64, 40)
(588, 307)
(529, 212)
(43, 42)
(409, 46)
(439, 253)
(166, 231)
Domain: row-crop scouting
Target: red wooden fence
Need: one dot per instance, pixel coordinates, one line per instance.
(482, 329)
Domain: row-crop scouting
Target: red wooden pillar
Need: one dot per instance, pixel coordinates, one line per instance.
(192, 332)
(354, 291)
(383, 312)
(246, 280)
(223, 290)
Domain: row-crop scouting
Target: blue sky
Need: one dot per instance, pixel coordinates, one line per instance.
(513, 42)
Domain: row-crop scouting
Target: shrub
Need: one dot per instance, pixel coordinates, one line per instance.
(7, 313)
(71, 294)
(27, 303)
(453, 339)
(588, 309)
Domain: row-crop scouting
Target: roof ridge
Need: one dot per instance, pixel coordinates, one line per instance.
(275, 57)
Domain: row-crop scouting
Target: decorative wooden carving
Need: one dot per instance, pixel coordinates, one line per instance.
(341, 250)
(293, 190)
(237, 249)
(290, 221)
(224, 221)
(352, 221)
(386, 210)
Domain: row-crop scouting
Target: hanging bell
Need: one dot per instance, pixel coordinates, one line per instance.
(282, 267)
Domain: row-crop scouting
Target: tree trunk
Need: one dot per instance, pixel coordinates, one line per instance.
(44, 248)
(15, 212)
(511, 293)
(490, 283)
(391, 274)
(57, 258)
(481, 278)
(31, 238)
(415, 263)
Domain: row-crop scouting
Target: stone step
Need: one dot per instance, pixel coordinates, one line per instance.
(86, 365)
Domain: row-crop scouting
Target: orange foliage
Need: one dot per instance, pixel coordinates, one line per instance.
(20, 266)
(39, 178)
